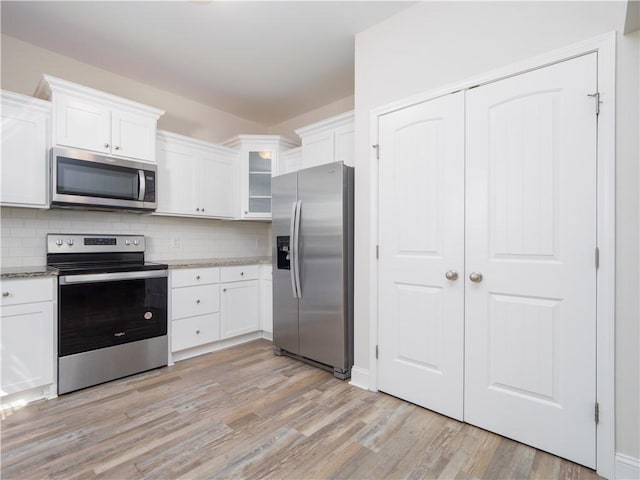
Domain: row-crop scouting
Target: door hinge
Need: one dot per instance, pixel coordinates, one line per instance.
(597, 258)
(596, 413)
(596, 96)
(377, 252)
(377, 148)
(376, 351)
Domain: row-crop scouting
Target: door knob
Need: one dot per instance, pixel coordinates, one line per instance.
(451, 275)
(475, 277)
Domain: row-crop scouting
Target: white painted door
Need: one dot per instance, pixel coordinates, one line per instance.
(218, 182)
(133, 136)
(82, 124)
(179, 180)
(239, 308)
(530, 323)
(421, 225)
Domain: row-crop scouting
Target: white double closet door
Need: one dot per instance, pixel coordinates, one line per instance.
(487, 232)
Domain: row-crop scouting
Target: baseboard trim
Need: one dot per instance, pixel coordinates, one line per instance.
(359, 378)
(627, 468)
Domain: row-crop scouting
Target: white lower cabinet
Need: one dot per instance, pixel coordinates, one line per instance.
(239, 300)
(27, 335)
(195, 307)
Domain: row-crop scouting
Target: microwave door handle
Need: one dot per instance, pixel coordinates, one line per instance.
(143, 185)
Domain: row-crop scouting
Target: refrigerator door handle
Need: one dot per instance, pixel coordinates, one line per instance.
(292, 247)
(296, 243)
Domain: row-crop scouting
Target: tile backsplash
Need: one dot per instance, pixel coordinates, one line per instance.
(23, 232)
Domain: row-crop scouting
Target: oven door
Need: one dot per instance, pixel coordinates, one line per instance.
(107, 309)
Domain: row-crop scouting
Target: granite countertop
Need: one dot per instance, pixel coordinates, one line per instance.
(215, 262)
(28, 272)
(44, 271)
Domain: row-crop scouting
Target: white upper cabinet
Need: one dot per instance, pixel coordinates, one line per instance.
(93, 120)
(195, 178)
(290, 161)
(25, 144)
(259, 161)
(327, 141)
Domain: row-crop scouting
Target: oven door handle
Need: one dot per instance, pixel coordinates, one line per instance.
(110, 277)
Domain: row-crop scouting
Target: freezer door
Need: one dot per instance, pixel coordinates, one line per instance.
(323, 303)
(285, 303)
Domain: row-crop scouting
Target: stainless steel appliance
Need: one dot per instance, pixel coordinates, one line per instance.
(313, 266)
(112, 308)
(81, 179)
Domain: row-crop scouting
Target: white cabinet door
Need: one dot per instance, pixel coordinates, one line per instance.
(240, 308)
(218, 186)
(345, 148)
(178, 176)
(24, 155)
(421, 240)
(531, 232)
(133, 135)
(82, 124)
(318, 149)
(267, 306)
(26, 346)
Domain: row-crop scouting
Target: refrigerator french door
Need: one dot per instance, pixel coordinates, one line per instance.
(312, 214)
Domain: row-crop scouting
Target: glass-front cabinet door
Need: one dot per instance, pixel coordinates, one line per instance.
(258, 163)
(260, 172)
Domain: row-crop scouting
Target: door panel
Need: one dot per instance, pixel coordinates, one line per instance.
(421, 228)
(531, 232)
(285, 304)
(323, 324)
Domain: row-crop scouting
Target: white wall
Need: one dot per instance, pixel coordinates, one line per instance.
(24, 230)
(23, 64)
(433, 44)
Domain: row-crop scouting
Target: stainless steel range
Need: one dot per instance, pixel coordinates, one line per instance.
(112, 308)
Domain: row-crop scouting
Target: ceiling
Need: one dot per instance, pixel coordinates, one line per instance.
(263, 61)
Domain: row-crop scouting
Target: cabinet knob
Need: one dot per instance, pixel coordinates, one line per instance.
(475, 277)
(203, 209)
(245, 212)
(451, 275)
(106, 145)
(197, 332)
(224, 289)
(197, 209)
(198, 277)
(5, 294)
(198, 301)
(241, 273)
(117, 147)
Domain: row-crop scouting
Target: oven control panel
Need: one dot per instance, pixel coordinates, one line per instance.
(71, 242)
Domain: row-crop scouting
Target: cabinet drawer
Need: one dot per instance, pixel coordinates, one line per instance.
(194, 276)
(190, 301)
(240, 272)
(194, 331)
(23, 290)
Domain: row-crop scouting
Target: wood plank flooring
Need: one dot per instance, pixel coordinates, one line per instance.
(246, 413)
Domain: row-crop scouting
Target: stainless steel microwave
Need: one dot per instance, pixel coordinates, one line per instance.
(81, 179)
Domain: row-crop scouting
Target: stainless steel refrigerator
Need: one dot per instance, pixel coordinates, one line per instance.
(312, 212)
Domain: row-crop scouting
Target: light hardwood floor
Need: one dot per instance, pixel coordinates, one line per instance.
(245, 413)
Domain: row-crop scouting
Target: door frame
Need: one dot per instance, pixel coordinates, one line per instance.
(605, 46)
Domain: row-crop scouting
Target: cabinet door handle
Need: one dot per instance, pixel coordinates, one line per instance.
(198, 301)
(106, 145)
(475, 277)
(198, 277)
(5, 294)
(197, 209)
(197, 332)
(203, 209)
(117, 147)
(241, 273)
(224, 289)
